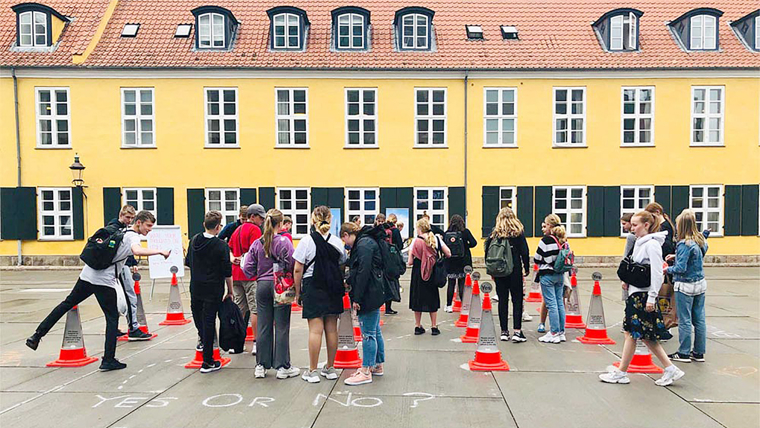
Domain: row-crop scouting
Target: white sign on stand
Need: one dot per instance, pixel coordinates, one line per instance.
(166, 238)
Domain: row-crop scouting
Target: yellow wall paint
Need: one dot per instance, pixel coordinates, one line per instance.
(57, 27)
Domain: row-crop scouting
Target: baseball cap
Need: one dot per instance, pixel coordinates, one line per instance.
(256, 209)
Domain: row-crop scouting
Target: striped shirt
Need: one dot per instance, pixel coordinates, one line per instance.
(546, 255)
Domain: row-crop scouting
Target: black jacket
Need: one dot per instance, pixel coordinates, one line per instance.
(209, 263)
(457, 264)
(669, 246)
(520, 253)
(228, 230)
(366, 274)
(396, 238)
(131, 261)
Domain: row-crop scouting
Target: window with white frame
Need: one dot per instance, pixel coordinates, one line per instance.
(707, 115)
(570, 116)
(707, 204)
(634, 199)
(292, 118)
(361, 117)
(757, 32)
(211, 30)
(570, 205)
(703, 32)
(226, 201)
(137, 117)
(287, 30)
(56, 213)
(364, 203)
(33, 29)
(350, 31)
(623, 32)
(414, 30)
(500, 117)
(638, 116)
(431, 201)
(221, 117)
(430, 117)
(295, 202)
(53, 117)
(141, 198)
(508, 198)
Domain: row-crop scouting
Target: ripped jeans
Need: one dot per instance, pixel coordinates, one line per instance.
(373, 347)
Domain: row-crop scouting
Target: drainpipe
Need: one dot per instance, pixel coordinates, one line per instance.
(466, 81)
(18, 149)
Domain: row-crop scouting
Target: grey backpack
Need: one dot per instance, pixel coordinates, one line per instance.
(499, 261)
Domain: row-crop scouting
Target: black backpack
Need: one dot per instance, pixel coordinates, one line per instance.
(455, 243)
(327, 274)
(232, 327)
(393, 263)
(101, 247)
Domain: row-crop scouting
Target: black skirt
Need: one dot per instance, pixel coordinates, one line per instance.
(423, 295)
(318, 303)
(642, 324)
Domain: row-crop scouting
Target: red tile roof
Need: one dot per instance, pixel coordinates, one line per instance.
(553, 34)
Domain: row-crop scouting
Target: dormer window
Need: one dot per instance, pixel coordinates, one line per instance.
(414, 28)
(618, 30)
(697, 30)
(215, 28)
(509, 32)
(474, 32)
(37, 25)
(288, 27)
(747, 28)
(350, 28)
(130, 30)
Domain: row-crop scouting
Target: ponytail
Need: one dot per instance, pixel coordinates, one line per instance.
(653, 220)
(423, 226)
(321, 218)
(271, 226)
(556, 229)
(658, 211)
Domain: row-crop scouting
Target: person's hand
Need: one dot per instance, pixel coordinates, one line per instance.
(236, 261)
(624, 285)
(166, 253)
(670, 257)
(297, 299)
(227, 296)
(356, 306)
(650, 307)
(134, 269)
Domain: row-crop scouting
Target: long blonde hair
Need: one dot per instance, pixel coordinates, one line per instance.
(423, 226)
(556, 229)
(507, 224)
(321, 218)
(648, 217)
(271, 227)
(686, 228)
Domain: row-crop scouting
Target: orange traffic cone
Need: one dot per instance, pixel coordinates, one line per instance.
(347, 356)
(473, 323)
(73, 352)
(457, 302)
(198, 360)
(642, 360)
(488, 356)
(174, 312)
(355, 323)
(596, 330)
(142, 320)
(295, 308)
(535, 289)
(382, 311)
(249, 336)
(464, 313)
(573, 317)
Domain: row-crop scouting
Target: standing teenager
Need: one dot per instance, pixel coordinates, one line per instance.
(318, 280)
(273, 332)
(398, 242)
(287, 224)
(643, 319)
(552, 283)
(230, 228)
(459, 240)
(509, 227)
(104, 285)
(668, 246)
(423, 294)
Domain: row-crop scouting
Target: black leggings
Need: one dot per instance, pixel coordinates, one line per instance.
(450, 289)
(512, 284)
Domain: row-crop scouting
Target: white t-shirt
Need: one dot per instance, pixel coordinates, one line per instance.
(107, 276)
(307, 250)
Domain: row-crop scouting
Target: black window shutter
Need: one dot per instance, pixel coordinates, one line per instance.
(111, 203)
(196, 210)
(405, 199)
(457, 202)
(732, 222)
(750, 209)
(662, 197)
(490, 208)
(335, 199)
(595, 210)
(612, 211)
(248, 196)
(266, 197)
(388, 199)
(525, 208)
(18, 207)
(77, 209)
(679, 200)
(165, 205)
(319, 196)
(543, 207)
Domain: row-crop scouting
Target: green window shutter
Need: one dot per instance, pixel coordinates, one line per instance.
(266, 197)
(196, 211)
(595, 210)
(749, 209)
(679, 200)
(457, 202)
(388, 199)
(732, 222)
(111, 203)
(248, 196)
(319, 196)
(525, 208)
(405, 199)
(611, 211)
(77, 209)
(543, 207)
(165, 205)
(18, 208)
(662, 197)
(335, 199)
(490, 208)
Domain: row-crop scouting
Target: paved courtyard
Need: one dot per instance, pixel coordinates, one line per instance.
(426, 382)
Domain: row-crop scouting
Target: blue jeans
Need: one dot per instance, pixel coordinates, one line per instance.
(373, 347)
(552, 289)
(691, 311)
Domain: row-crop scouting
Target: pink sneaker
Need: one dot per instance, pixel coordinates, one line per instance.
(359, 378)
(377, 370)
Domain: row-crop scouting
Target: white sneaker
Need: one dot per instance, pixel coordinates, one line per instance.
(329, 373)
(562, 337)
(283, 373)
(495, 297)
(504, 336)
(259, 372)
(310, 376)
(527, 317)
(253, 351)
(549, 338)
(671, 375)
(615, 376)
(448, 309)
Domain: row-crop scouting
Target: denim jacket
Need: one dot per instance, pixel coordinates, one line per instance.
(688, 264)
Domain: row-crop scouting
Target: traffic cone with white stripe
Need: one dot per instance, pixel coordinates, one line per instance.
(473, 323)
(73, 352)
(457, 302)
(573, 317)
(534, 295)
(197, 362)
(487, 356)
(642, 360)
(175, 315)
(355, 323)
(464, 313)
(596, 329)
(142, 320)
(347, 356)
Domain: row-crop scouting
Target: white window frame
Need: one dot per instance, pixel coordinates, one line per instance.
(353, 18)
(33, 33)
(286, 24)
(138, 117)
(56, 213)
(53, 118)
(617, 24)
(362, 212)
(361, 117)
(291, 117)
(568, 116)
(704, 37)
(568, 211)
(757, 32)
(430, 118)
(415, 37)
(637, 202)
(223, 200)
(500, 116)
(221, 117)
(512, 201)
(212, 32)
(430, 211)
(637, 116)
(705, 209)
(293, 212)
(140, 201)
(706, 116)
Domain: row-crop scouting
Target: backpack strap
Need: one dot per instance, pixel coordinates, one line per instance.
(559, 246)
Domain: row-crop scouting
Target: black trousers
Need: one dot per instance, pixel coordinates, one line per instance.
(204, 316)
(106, 299)
(512, 284)
(450, 289)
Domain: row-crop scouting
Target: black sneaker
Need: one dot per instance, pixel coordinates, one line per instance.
(434, 331)
(390, 312)
(233, 351)
(33, 341)
(419, 330)
(108, 365)
(206, 368)
(504, 336)
(199, 345)
(137, 334)
(518, 337)
(700, 358)
(120, 333)
(679, 357)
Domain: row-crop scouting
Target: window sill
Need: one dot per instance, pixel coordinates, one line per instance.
(569, 146)
(292, 146)
(54, 147)
(221, 147)
(430, 146)
(500, 146)
(360, 147)
(53, 239)
(627, 146)
(707, 145)
(140, 147)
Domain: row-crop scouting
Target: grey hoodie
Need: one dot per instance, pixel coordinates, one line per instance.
(648, 251)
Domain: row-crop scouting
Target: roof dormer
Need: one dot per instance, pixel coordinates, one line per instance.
(618, 30)
(215, 28)
(37, 26)
(288, 26)
(697, 29)
(414, 28)
(350, 28)
(748, 30)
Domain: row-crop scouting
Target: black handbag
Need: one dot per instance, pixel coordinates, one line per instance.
(438, 276)
(633, 273)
